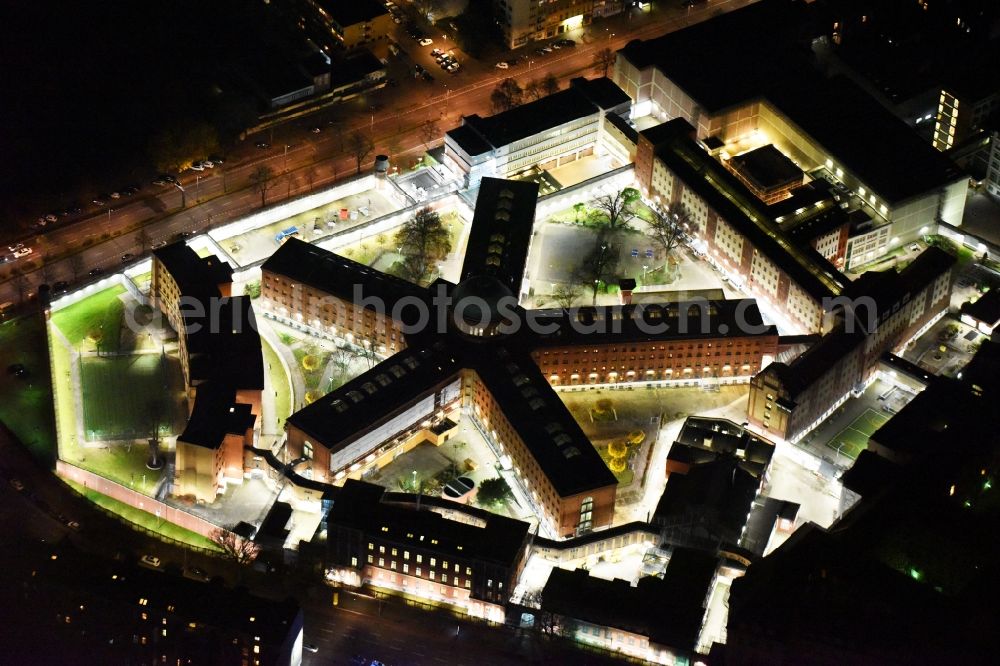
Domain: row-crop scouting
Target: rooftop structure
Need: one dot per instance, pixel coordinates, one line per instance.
(984, 314)
(767, 172)
(657, 616)
(567, 125)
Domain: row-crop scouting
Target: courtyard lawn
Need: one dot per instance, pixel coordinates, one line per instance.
(144, 519)
(77, 320)
(279, 383)
(626, 476)
(853, 439)
(25, 402)
(119, 391)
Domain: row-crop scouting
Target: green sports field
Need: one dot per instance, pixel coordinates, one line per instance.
(121, 393)
(853, 439)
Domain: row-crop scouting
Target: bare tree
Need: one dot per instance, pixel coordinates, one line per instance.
(549, 84)
(666, 229)
(360, 145)
(341, 358)
(260, 180)
(142, 239)
(367, 351)
(565, 295)
(603, 61)
(506, 95)
(76, 265)
(599, 265)
(235, 547)
(429, 131)
(533, 90)
(618, 209)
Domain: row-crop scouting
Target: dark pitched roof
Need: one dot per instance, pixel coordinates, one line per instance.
(532, 118)
(602, 91)
(642, 322)
(720, 490)
(501, 231)
(377, 396)
(364, 506)
(311, 265)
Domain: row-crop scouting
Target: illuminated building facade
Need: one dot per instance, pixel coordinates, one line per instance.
(550, 132)
(749, 90)
(523, 21)
(887, 310)
(473, 563)
(355, 23)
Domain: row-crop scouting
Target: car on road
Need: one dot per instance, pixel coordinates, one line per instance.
(17, 485)
(426, 41)
(22, 252)
(263, 145)
(127, 257)
(195, 573)
(316, 129)
(171, 179)
(309, 647)
(60, 287)
(131, 190)
(73, 525)
(185, 234)
(150, 561)
(427, 77)
(99, 200)
(216, 159)
(502, 65)
(115, 195)
(94, 272)
(568, 43)
(51, 217)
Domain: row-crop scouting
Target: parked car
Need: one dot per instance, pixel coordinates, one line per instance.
(22, 252)
(59, 287)
(568, 43)
(127, 257)
(98, 200)
(115, 195)
(94, 272)
(316, 130)
(263, 145)
(151, 561)
(17, 485)
(502, 65)
(51, 217)
(161, 181)
(73, 525)
(426, 41)
(436, 52)
(196, 167)
(194, 573)
(130, 191)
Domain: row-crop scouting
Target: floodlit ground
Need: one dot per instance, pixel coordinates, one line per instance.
(583, 169)
(840, 438)
(242, 502)
(90, 316)
(258, 244)
(276, 383)
(946, 348)
(123, 396)
(624, 564)
(790, 479)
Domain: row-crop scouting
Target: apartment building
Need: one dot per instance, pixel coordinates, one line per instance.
(356, 23)
(547, 133)
(773, 95)
(882, 312)
(223, 368)
(524, 21)
(473, 564)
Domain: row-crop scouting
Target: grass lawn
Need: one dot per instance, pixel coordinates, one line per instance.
(26, 402)
(92, 312)
(118, 393)
(853, 439)
(144, 519)
(279, 383)
(624, 477)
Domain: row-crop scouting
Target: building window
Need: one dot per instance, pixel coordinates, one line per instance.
(586, 514)
(307, 450)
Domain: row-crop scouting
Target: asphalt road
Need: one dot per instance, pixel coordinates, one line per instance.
(393, 116)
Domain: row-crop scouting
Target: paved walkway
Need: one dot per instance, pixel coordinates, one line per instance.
(287, 359)
(76, 385)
